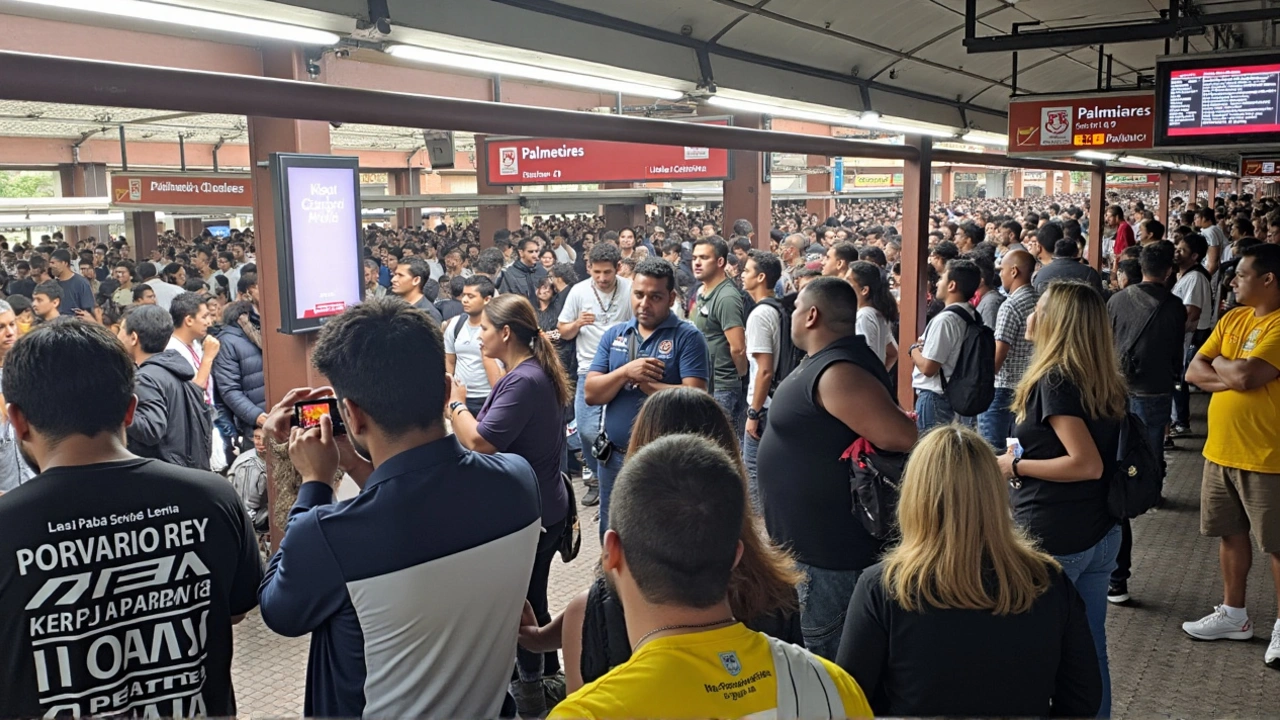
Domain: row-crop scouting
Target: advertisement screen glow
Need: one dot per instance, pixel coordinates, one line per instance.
(1224, 100)
(325, 240)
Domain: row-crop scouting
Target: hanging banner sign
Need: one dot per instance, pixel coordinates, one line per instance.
(552, 161)
(1268, 167)
(1149, 179)
(877, 181)
(1064, 125)
(837, 176)
(137, 191)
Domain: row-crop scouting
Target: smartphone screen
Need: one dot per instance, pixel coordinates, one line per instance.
(309, 414)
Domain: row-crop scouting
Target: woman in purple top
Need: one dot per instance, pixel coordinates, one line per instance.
(524, 415)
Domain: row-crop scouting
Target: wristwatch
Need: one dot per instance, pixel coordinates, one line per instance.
(754, 414)
(453, 407)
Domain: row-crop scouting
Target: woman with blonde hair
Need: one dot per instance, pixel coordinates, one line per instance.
(1070, 407)
(762, 590)
(966, 603)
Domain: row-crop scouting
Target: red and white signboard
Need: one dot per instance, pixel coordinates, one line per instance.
(1064, 125)
(208, 190)
(1263, 167)
(551, 161)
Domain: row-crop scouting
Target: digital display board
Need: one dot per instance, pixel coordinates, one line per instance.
(317, 204)
(1218, 100)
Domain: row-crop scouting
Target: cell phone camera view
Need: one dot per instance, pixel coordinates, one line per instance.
(307, 414)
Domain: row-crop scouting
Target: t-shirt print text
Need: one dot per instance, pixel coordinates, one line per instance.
(123, 613)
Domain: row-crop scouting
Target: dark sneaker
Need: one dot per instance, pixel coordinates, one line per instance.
(592, 498)
(1168, 444)
(531, 698)
(1179, 431)
(1118, 592)
(553, 687)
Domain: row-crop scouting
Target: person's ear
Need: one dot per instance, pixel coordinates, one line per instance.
(128, 413)
(611, 554)
(737, 554)
(356, 421)
(17, 418)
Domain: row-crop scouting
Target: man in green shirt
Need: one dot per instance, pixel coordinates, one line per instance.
(720, 315)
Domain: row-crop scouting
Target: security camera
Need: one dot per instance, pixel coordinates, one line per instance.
(686, 30)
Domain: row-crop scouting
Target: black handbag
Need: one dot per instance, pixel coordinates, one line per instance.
(602, 448)
(875, 481)
(571, 540)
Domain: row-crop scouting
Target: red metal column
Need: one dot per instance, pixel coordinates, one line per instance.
(286, 358)
(947, 192)
(1097, 210)
(746, 195)
(917, 182)
(820, 183)
(142, 227)
(1017, 183)
(84, 180)
(1162, 198)
(492, 217)
(407, 182)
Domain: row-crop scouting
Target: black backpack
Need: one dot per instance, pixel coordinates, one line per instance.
(1134, 483)
(972, 386)
(789, 356)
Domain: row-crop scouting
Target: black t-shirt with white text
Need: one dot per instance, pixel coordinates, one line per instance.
(117, 585)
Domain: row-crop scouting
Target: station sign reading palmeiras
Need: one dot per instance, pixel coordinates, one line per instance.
(1063, 125)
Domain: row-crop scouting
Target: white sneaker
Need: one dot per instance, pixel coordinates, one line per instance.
(1217, 626)
(1272, 658)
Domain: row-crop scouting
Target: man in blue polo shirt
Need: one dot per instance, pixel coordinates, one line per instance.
(653, 351)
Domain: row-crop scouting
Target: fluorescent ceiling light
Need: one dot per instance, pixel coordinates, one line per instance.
(192, 17)
(1095, 155)
(490, 66)
(877, 124)
(780, 111)
(985, 138)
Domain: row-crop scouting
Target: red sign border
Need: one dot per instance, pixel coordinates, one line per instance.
(725, 119)
(1260, 158)
(1071, 150)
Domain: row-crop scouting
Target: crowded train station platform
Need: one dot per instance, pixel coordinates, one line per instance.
(662, 359)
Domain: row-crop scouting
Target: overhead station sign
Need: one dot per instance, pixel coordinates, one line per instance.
(1260, 167)
(1064, 125)
(553, 161)
(209, 190)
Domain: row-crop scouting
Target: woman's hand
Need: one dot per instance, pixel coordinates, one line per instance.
(1005, 462)
(459, 391)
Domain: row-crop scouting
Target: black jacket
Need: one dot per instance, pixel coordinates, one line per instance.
(172, 422)
(1148, 323)
(520, 279)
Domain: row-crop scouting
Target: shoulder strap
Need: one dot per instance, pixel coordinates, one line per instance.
(457, 325)
(1150, 319)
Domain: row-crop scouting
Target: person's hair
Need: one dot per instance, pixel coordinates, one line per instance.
(488, 262)
(1156, 259)
(50, 289)
(501, 234)
(525, 243)
(1115, 211)
(846, 251)
(1244, 225)
(6, 307)
(986, 266)
(483, 285)
(456, 283)
(1131, 269)
(140, 291)
(1048, 236)
(959, 548)
(946, 250)
(1197, 244)
(742, 227)
(1155, 227)
(184, 306)
(417, 268)
(370, 263)
(516, 312)
(1066, 248)
(604, 252)
(678, 508)
(61, 256)
(378, 339)
(717, 243)
(871, 277)
(1073, 341)
(836, 301)
(658, 269)
(975, 232)
(70, 378)
(1266, 259)
(247, 280)
(565, 272)
(152, 324)
(742, 243)
(1207, 214)
(966, 275)
(1015, 227)
(873, 255)
(767, 263)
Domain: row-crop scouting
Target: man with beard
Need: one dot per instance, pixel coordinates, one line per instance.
(408, 282)
(70, 389)
(720, 315)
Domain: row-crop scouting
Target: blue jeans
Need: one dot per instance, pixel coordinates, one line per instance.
(1182, 390)
(750, 446)
(588, 419)
(608, 473)
(734, 403)
(824, 601)
(996, 424)
(932, 410)
(1090, 571)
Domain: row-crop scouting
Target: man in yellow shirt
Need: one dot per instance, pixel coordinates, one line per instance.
(1240, 492)
(675, 520)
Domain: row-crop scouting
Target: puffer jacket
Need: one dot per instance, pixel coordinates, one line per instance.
(238, 374)
(172, 422)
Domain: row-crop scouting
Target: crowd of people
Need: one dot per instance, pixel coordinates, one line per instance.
(715, 388)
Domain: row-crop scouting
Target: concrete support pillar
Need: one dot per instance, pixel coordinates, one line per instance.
(619, 216)
(1017, 183)
(1097, 210)
(407, 182)
(286, 358)
(746, 195)
(947, 191)
(1236, 187)
(820, 183)
(994, 183)
(917, 182)
(142, 228)
(189, 228)
(493, 217)
(1066, 182)
(84, 180)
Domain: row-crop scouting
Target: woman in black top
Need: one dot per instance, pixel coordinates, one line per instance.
(592, 629)
(966, 616)
(1070, 406)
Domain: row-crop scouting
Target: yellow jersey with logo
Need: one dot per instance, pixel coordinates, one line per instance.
(725, 673)
(1244, 427)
